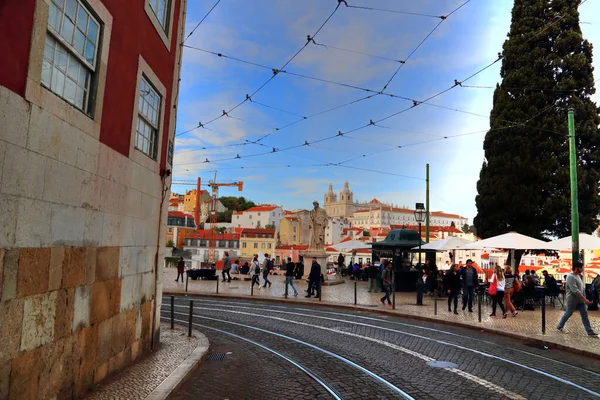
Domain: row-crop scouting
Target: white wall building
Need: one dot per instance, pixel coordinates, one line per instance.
(258, 217)
(384, 217)
(334, 233)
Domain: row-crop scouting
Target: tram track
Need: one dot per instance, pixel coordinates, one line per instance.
(269, 308)
(290, 312)
(399, 392)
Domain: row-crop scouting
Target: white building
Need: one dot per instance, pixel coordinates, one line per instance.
(258, 217)
(384, 217)
(334, 233)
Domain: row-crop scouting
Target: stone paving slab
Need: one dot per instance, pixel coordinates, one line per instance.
(525, 326)
(157, 375)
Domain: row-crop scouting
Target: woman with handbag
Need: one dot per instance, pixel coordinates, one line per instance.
(511, 282)
(496, 291)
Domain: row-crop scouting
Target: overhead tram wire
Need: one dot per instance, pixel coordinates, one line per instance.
(201, 21)
(275, 72)
(340, 134)
(442, 19)
(328, 46)
(398, 12)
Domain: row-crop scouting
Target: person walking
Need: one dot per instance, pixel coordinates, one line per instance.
(500, 282)
(289, 275)
(470, 283)
(255, 272)
(180, 269)
(226, 267)
(267, 267)
(510, 281)
(373, 274)
(452, 286)
(314, 279)
(386, 278)
(576, 300)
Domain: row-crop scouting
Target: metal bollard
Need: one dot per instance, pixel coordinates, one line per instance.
(187, 278)
(544, 316)
(319, 288)
(191, 314)
(435, 302)
(252, 287)
(393, 291)
(217, 285)
(286, 288)
(172, 312)
(354, 292)
(479, 306)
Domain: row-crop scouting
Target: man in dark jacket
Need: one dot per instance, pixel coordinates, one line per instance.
(314, 278)
(289, 275)
(470, 281)
(373, 273)
(452, 287)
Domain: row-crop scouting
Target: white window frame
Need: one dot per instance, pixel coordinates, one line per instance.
(145, 72)
(56, 44)
(42, 97)
(149, 100)
(165, 32)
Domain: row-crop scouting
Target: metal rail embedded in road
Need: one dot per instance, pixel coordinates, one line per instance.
(329, 353)
(307, 371)
(479, 352)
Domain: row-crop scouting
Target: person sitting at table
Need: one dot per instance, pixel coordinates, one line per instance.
(235, 267)
(529, 291)
(525, 275)
(245, 268)
(550, 286)
(536, 277)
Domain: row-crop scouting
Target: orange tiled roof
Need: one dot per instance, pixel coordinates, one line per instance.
(205, 234)
(443, 214)
(262, 207)
(259, 231)
(180, 214)
(385, 208)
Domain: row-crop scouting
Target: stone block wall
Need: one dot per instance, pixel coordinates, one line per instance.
(78, 243)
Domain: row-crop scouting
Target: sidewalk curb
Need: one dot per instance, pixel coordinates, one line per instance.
(184, 371)
(528, 339)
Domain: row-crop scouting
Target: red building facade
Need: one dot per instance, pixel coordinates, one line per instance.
(88, 97)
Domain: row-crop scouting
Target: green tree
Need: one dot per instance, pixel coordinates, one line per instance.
(232, 203)
(524, 181)
(465, 228)
(452, 224)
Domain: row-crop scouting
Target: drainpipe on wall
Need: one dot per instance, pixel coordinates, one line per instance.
(164, 177)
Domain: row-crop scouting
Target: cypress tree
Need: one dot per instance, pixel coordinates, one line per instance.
(524, 181)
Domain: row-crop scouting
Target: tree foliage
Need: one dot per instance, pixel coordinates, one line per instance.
(524, 180)
(232, 204)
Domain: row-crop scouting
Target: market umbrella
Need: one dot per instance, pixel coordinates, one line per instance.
(586, 242)
(450, 243)
(509, 241)
(351, 245)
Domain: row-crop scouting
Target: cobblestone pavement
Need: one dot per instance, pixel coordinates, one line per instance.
(393, 348)
(527, 324)
(140, 379)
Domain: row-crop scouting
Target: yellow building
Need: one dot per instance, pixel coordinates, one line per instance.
(254, 241)
(293, 228)
(189, 200)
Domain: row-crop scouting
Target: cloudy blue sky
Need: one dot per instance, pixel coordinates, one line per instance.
(269, 32)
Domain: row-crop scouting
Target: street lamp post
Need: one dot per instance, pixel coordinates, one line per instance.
(420, 217)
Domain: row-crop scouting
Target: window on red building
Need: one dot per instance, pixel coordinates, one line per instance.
(71, 52)
(161, 10)
(148, 116)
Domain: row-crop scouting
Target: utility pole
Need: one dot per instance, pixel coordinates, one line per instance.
(427, 203)
(574, 196)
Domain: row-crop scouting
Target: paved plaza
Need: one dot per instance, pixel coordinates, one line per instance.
(527, 325)
(156, 375)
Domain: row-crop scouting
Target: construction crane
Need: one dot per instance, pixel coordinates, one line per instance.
(212, 236)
